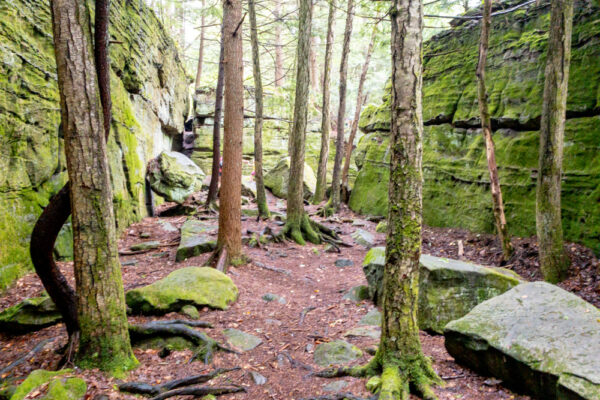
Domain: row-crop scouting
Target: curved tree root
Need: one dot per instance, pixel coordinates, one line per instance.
(398, 376)
(198, 391)
(309, 230)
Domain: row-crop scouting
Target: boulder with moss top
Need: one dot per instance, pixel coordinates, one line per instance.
(174, 176)
(277, 179)
(55, 385)
(195, 239)
(29, 316)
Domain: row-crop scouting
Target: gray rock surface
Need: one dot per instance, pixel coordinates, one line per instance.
(29, 316)
(336, 352)
(195, 239)
(174, 176)
(364, 238)
(241, 340)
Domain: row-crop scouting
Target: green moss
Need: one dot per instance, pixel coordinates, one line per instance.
(60, 387)
(29, 315)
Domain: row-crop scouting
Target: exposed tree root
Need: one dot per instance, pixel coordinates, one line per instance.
(206, 345)
(4, 372)
(198, 391)
(340, 396)
(309, 230)
(154, 390)
(398, 376)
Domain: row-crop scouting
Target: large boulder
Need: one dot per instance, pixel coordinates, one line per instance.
(174, 176)
(30, 315)
(195, 239)
(199, 286)
(539, 339)
(277, 179)
(448, 289)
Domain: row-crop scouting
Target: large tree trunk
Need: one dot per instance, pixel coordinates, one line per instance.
(201, 50)
(298, 225)
(278, 46)
(360, 99)
(553, 260)
(230, 203)
(486, 125)
(261, 198)
(213, 188)
(104, 338)
(339, 144)
(325, 113)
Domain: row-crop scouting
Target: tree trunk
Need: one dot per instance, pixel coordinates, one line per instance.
(486, 125)
(104, 338)
(553, 260)
(213, 189)
(339, 143)
(230, 202)
(278, 46)
(360, 99)
(314, 80)
(298, 225)
(201, 51)
(325, 113)
(261, 198)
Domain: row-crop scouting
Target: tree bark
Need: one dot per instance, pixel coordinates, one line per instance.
(314, 80)
(486, 125)
(553, 260)
(360, 99)
(213, 189)
(261, 198)
(104, 338)
(278, 46)
(201, 50)
(298, 225)
(230, 203)
(339, 144)
(325, 113)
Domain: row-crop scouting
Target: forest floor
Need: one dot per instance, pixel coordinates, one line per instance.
(313, 282)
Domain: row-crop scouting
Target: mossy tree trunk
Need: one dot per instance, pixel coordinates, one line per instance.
(278, 46)
(360, 100)
(298, 225)
(104, 338)
(486, 126)
(261, 198)
(230, 195)
(339, 143)
(201, 49)
(213, 188)
(325, 111)
(553, 259)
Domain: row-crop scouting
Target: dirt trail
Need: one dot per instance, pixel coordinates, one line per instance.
(285, 357)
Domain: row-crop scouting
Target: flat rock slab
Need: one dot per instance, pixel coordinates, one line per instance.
(143, 246)
(29, 316)
(336, 352)
(195, 239)
(357, 293)
(373, 317)
(343, 262)
(373, 332)
(59, 384)
(364, 238)
(448, 289)
(537, 338)
(241, 340)
(199, 286)
(335, 386)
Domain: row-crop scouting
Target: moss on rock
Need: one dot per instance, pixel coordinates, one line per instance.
(30, 315)
(61, 386)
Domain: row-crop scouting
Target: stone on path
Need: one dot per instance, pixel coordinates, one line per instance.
(241, 340)
(373, 332)
(257, 378)
(343, 262)
(195, 239)
(373, 317)
(143, 246)
(537, 338)
(448, 289)
(269, 297)
(357, 293)
(336, 352)
(29, 316)
(364, 238)
(277, 179)
(199, 286)
(174, 176)
(335, 386)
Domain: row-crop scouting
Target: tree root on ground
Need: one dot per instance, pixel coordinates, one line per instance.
(154, 390)
(154, 329)
(340, 396)
(4, 372)
(198, 391)
(309, 230)
(398, 376)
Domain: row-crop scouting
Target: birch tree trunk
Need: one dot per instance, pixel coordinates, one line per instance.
(230, 195)
(553, 260)
(325, 112)
(104, 338)
(486, 125)
(261, 198)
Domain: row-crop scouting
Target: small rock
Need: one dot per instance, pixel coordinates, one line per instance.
(372, 332)
(336, 352)
(381, 227)
(373, 317)
(343, 262)
(269, 297)
(330, 249)
(168, 227)
(190, 311)
(357, 293)
(309, 348)
(335, 386)
(364, 238)
(241, 340)
(128, 263)
(145, 246)
(145, 235)
(195, 239)
(258, 378)
(359, 222)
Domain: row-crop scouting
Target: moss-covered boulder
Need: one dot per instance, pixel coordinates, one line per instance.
(174, 176)
(277, 179)
(195, 239)
(448, 289)
(30, 315)
(58, 385)
(456, 180)
(199, 286)
(149, 102)
(336, 352)
(537, 338)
